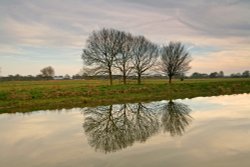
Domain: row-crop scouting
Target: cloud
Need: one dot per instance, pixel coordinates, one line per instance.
(49, 29)
(38, 34)
(6, 50)
(217, 18)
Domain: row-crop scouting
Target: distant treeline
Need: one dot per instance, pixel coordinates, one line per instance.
(73, 77)
(220, 74)
(84, 76)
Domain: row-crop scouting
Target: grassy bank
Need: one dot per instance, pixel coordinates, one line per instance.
(24, 96)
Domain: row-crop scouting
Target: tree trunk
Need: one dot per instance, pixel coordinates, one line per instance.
(169, 79)
(124, 78)
(139, 78)
(110, 77)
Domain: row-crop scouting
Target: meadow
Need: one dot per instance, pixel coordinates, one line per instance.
(24, 96)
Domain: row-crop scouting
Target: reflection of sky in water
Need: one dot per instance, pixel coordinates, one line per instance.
(219, 135)
(217, 102)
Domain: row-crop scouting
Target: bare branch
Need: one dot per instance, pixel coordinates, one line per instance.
(145, 54)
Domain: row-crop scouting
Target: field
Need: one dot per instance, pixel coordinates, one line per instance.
(24, 96)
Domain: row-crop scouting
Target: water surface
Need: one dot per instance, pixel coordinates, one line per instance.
(204, 131)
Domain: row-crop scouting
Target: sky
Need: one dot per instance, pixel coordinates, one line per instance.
(39, 33)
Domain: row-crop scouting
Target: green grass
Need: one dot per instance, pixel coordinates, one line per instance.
(22, 96)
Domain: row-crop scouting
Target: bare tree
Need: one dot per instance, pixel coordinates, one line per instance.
(48, 72)
(175, 60)
(123, 59)
(221, 74)
(101, 50)
(145, 54)
(67, 76)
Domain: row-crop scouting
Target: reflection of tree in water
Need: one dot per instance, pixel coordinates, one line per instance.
(175, 117)
(114, 127)
(145, 122)
(101, 126)
(111, 128)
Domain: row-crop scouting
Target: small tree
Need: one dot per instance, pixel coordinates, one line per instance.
(145, 54)
(67, 76)
(214, 75)
(175, 60)
(246, 74)
(48, 72)
(221, 74)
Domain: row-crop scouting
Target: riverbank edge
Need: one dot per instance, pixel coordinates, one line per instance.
(118, 94)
